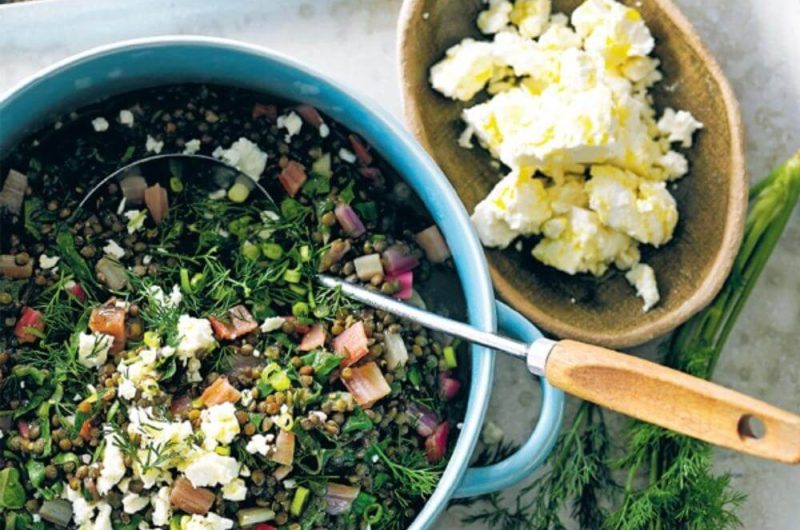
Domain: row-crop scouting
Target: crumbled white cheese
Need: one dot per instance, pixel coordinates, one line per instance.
(103, 520)
(272, 324)
(158, 296)
(465, 71)
(126, 117)
(678, 126)
(643, 278)
(126, 389)
(347, 156)
(194, 336)
(191, 147)
(245, 156)
(530, 16)
(47, 262)
(153, 146)
(100, 124)
(113, 465)
(113, 249)
(207, 468)
(162, 510)
(495, 17)
(211, 521)
(567, 100)
(93, 349)
(324, 130)
(236, 490)
(219, 425)
(292, 123)
(257, 444)
(133, 502)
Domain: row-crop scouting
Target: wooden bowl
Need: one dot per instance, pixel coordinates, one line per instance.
(712, 198)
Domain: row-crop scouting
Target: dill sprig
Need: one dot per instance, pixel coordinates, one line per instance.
(413, 475)
(578, 474)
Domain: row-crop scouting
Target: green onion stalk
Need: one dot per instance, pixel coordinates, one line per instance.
(681, 490)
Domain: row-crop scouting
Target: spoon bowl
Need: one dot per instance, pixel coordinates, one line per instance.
(711, 199)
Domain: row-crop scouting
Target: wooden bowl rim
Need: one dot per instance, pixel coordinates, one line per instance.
(734, 223)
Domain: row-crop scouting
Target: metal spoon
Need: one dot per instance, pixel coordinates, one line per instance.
(162, 165)
(629, 385)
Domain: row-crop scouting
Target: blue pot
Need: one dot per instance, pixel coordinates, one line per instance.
(136, 64)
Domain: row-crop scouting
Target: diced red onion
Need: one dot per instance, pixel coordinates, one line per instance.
(157, 201)
(190, 499)
(292, 177)
(360, 150)
(433, 244)
(180, 405)
(367, 384)
(76, 290)
(406, 281)
(270, 112)
(284, 448)
(368, 266)
(424, 419)
(133, 188)
(352, 343)
(436, 443)
(396, 353)
(448, 386)
(396, 260)
(10, 269)
(349, 221)
(310, 115)
(30, 319)
(13, 193)
(370, 173)
(24, 429)
(264, 526)
(314, 339)
(340, 498)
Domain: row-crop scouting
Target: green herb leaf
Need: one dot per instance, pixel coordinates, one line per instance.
(12, 494)
(358, 421)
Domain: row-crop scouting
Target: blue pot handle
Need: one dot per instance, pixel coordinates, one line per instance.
(531, 455)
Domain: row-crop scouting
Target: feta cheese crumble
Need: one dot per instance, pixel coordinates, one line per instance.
(570, 115)
(245, 156)
(272, 324)
(643, 278)
(292, 123)
(93, 349)
(126, 117)
(113, 249)
(152, 145)
(191, 147)
(46, 262)
(100, 124)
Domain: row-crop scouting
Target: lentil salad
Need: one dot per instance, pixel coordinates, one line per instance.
(167, 359)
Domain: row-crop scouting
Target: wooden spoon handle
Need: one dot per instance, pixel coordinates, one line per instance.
(674, 400)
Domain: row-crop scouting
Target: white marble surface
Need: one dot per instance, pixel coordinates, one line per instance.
(354, 41)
